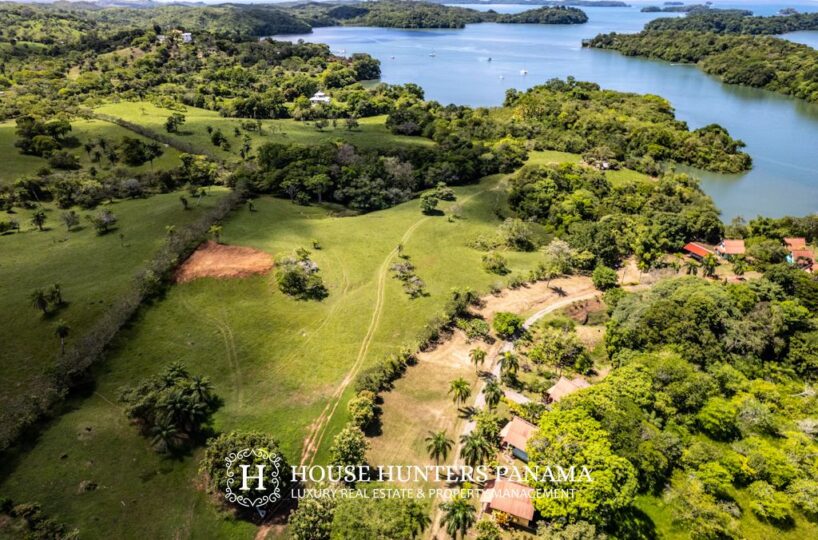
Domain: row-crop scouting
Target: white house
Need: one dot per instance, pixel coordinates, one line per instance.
(187, 37)
(320, 97)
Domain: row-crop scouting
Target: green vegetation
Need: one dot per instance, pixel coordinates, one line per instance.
(736, 22)
(758, 61)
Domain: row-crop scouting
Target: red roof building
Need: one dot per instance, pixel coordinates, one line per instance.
(698, 250)
(509, 497)
(515, 435)
(730, 247)
(796, 243)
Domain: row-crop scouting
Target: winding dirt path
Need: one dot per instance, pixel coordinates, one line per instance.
(318, 428)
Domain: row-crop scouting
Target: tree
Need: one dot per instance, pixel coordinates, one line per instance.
(428, 203)
(362, 408)
(739, 266)
(458, 516)
(39, 300)
(709, 264)
(173, 122)
(38, 219)
(438, 444)
(573, 436)
(477, 356)
(216, 232)
(321, 123)
(769, 504)
(475, 448)
(349, 447)
(460, 390)
(312, 520)
(604, 278)
(103, 221)
(493, 393)
(509, 364)
(70, 219)
(718, 418)
(507, 324)
(691, 267)
(351, 123)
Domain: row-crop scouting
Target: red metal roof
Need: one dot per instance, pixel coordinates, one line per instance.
(796, 243)
(698, 249)
(731, 247)
(517, 432)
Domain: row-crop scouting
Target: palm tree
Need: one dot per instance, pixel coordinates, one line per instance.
(709, 265)
(165, 437)
(691, 267)
(216, 232)
(510, 363)
(478, 356)
(200, 387)
(55, 294)
(493, 393)
(458, 516)
(61, 331)
(39, 300)
(475, 448)
(739, 267)
(438, 444)
(460, 390)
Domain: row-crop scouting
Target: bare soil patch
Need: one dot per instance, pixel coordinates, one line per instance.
(223, 262)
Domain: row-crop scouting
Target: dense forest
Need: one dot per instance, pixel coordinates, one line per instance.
(736, 22)
(758, 61)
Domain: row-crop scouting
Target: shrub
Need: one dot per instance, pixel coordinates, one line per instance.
(507, 324)
(769, 504)
(362, 408)
(495, 263)
(604, 278)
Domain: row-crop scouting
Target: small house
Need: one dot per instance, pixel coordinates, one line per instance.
(320, 97)
(794, 244)
(187, 37)
(730, 248)
(697, 251)
(564, 387)
(515, 435)
(511, 498)
(802, 258)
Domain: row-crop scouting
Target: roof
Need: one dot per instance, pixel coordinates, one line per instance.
(565, 386)
(517, 432)
(796, 243)
(731, 247)
(509, 497)
(698, 249)
(803, 253)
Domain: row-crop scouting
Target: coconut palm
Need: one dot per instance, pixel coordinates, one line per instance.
(460, 390)
(216, 232)
(691, 267)
(55, 294)
(475, 448)
(709, 265)
(510, 363)
(492, 393)
(458, 516)
(478, 356)
(61, 331)
(39, 300)
(438, 444)
(165, 437)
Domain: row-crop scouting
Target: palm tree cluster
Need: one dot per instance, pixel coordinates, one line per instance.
(42, 299)
(173, 408)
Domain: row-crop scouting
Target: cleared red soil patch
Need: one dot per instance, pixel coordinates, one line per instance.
(225, 262)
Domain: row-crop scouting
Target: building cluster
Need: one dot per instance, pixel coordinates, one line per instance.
(799, 254)
(185, 37)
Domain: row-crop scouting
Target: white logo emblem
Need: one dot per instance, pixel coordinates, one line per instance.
(252, 484)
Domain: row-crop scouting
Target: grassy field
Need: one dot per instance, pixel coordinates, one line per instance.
(372, 131)
(552, 156)
(275, 361)
(16, 164)
(92, 271)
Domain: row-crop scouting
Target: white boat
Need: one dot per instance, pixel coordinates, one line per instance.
(432, 55)
(501, 77)
(523, 72)
(392, 57)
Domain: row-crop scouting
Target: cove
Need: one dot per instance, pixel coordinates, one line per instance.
(452, 66)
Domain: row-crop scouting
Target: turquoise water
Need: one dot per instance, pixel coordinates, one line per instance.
(781, 133)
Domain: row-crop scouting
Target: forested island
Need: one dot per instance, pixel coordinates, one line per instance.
(737, 48)
(213, 241)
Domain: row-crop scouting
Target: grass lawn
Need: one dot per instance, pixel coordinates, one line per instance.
(275, 361)
(92, 271)
(372, 131)
(620, 176)
(16, 164)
